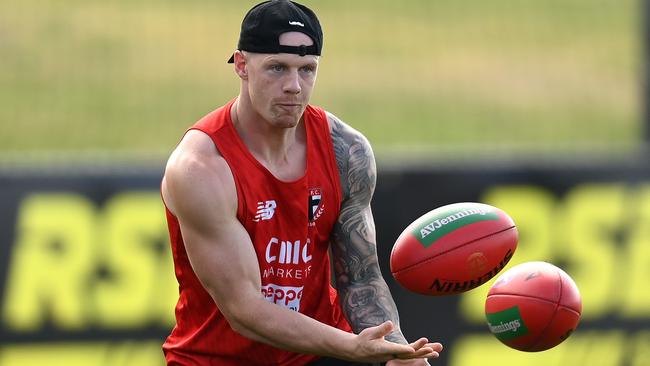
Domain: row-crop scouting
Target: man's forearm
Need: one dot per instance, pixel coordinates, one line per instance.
(370, 305)
(268, 323)
(367, 302)
(363, 292)
(280, 327)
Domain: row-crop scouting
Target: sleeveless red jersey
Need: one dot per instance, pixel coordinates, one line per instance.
(289, 224)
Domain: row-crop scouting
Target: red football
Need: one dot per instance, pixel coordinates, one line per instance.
(533, 306)
(453, 249)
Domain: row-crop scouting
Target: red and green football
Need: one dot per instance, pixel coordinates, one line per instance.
(453, 249)
(533, 306)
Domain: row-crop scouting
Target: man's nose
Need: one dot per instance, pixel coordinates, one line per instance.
(292, 83)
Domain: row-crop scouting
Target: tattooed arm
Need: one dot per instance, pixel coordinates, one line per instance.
(365, 297)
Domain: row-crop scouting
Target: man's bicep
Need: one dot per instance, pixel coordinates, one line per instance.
(224, 260)
(355, 162)
(218, 247)
(354, 245)
(354, 250)
(354, 233)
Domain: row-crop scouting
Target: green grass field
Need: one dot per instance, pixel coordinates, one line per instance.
(130, 76)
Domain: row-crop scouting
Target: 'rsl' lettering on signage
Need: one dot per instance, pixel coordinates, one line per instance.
(76, 266)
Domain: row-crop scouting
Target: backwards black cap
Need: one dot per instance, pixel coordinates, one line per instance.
(263, 24)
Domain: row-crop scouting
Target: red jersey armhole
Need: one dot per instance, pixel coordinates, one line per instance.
(332, 166)
(241, 204)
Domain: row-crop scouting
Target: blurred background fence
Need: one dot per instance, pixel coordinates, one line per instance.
(534, 106)
(126, 77)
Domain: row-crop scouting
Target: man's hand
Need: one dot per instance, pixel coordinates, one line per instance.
(419, 344)
(372, 347)
(417, 362)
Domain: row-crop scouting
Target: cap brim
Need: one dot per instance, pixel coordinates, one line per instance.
(231, 60)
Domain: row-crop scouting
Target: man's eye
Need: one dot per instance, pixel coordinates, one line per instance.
(277, 68)
(308, 69)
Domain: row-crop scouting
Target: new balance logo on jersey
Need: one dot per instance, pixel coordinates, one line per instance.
(265, 210)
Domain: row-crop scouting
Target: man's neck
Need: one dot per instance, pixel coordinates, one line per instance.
(281, 150)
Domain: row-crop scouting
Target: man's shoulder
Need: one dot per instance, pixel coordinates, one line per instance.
(196, 152)
(353, 154)
(343, 133)
(196, 170)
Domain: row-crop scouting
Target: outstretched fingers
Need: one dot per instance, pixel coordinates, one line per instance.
(422, 349)
(424, 343)
(424, 352)
(379, 348)
(437, 347)
(419, 343)
(384, 350)
(418, 349)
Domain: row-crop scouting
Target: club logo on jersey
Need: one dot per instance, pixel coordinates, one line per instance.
(265, 210)
(315, 205)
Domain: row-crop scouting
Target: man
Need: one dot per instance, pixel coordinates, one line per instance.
(257, 193)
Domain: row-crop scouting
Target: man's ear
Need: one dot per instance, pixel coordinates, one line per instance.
(241, 65)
